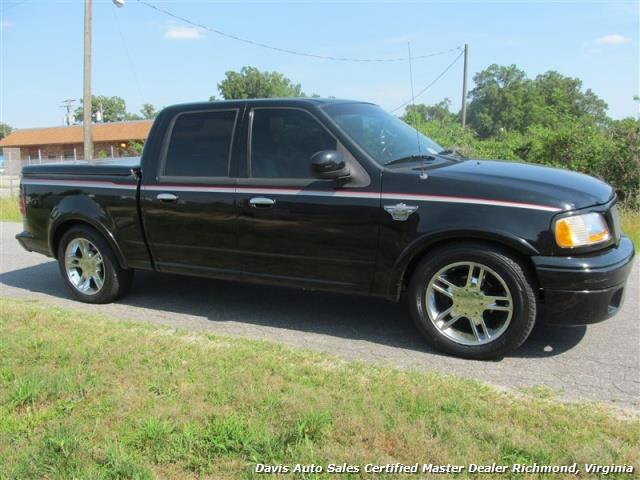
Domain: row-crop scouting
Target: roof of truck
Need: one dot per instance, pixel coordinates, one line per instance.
(138, 130)
(284, 101)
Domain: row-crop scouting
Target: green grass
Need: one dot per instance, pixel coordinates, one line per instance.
(630, 221)
(9, 211)
(83, 396)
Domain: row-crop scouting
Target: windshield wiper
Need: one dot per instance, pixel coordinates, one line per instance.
(451, 153)
(411, 158)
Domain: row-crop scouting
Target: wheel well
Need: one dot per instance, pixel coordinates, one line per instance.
(415, 260)
(69, 224)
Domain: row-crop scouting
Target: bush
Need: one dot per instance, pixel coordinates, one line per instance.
(611, 152)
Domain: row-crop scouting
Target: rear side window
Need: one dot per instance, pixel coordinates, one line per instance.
(200, 144)
(283, 141)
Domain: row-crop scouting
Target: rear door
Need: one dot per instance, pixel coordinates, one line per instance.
(189, 207)
(295, 228)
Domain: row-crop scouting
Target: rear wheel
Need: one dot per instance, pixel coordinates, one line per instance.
(473, 300)
(89, 267)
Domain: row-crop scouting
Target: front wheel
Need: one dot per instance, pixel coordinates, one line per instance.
(473, 300)
(89, 267)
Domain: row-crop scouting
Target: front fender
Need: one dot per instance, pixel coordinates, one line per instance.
(83, 209)
(422, 244)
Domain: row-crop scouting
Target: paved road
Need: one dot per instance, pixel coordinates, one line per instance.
(601, 362)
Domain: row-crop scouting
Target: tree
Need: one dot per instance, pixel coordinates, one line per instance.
(114, 109)
(438, 113)
(252, 83)
(503, 100)
(549, 120)
(135, 148)
(5, 130)
(148, 111)
(563, 99)
(623, 169)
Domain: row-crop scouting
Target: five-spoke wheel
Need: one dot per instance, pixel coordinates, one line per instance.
(469, 303)
(89, 267)
(84, 266)
(473, 300)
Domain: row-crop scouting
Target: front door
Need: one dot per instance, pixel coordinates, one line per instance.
(189, 205)
(295, 228)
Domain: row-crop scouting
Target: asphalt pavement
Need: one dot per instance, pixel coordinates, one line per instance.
(600, 362)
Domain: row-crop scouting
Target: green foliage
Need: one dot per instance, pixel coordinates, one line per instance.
(24, 391)
(630, 223)
(252, 83)
(9, 210)
(562, 98)
(240, 402)
(135, 148)
(502, 100)
(623, 169)
(5, 129)
(148, 111)
(548, 120)
(437, 113)
(505, 100)
(114, 109)
(611, 153)
(119, 464)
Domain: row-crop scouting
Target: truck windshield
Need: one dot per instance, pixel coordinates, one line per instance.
(383, 136)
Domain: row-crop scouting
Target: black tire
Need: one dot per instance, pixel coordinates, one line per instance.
(512, 271)
(116, 280)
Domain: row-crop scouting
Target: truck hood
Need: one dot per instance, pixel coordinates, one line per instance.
(504, 181)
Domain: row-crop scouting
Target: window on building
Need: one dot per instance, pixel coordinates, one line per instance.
(200, 144)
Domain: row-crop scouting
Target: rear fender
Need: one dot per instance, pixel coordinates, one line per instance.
(82, 209)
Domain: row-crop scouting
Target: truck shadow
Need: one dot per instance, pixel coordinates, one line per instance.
(346, 316)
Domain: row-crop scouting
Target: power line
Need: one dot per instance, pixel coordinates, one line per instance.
(285, 50)
(430, 84)
(132, 66)
(10, 6)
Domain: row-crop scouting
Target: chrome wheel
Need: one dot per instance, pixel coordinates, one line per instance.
(84, 266)
(469, 303)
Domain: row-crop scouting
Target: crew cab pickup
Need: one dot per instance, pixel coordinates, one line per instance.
(342, 196)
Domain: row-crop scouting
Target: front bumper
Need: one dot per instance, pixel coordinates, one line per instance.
(584, 289)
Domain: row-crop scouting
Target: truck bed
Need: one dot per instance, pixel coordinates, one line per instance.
(113, 167)
(104, 194)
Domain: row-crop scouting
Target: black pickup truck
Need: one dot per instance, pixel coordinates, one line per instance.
(338, 195)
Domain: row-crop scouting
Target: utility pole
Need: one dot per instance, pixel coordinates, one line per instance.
(86, 101)
(67, 105)
(464, 86)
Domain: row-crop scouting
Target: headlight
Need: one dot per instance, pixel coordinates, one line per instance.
(581, 230)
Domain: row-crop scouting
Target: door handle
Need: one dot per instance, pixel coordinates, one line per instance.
(167, 197)
(262, 202)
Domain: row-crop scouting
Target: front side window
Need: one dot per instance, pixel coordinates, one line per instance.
(283, 141)
(200, 144)
(382, 135)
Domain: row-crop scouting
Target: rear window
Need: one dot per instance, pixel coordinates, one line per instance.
(200, 144)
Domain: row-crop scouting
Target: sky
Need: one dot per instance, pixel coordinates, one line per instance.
(146, 56)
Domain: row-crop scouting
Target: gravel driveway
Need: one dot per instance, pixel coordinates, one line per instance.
(600, 362)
